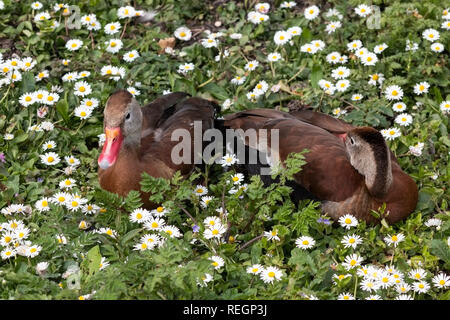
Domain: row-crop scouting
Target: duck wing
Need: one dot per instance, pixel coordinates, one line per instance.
(174, 132)
(328, 174)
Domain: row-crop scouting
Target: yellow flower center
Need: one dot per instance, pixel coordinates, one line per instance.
(215, 232)
(113, 44)
(45, 203)
(352, 240)
(215, 264)
(422, 87)
(311, 11)
(61, 199)
(82, 89)
(394, 238)
(394, 93)
(109, 232)
(139, 216)
(33, 250)
(50, 159)
(442, 282)
(28, 99)
(154, 224)
(160, 209)
(305, 242)
(271, 274)
(83, 113)
(74, 45)
(40, 96)
(182, 34)
(348, 221)
(143, 245)
(200, 190)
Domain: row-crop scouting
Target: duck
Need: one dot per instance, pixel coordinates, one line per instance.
(349, 169)
(139, 139)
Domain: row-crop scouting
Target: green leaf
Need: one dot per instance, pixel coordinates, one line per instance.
(316, 75)
(440, 249)
(63, 110)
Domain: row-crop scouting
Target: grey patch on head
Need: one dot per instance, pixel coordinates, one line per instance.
(104, 164)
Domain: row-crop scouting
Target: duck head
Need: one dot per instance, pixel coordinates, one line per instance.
(370, 156)
(122, 126)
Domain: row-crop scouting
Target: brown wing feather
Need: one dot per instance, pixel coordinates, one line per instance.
(323, 121)
(186, 112)
(328, 173)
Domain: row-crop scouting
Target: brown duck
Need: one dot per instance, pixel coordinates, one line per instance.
(138, 139)
(349, 169)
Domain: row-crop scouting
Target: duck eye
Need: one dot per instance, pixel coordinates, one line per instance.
(352, 141)
(127, 116)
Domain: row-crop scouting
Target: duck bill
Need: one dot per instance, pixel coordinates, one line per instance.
(111, 148)
(342, 136)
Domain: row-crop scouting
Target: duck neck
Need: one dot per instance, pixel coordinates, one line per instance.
(377, 171)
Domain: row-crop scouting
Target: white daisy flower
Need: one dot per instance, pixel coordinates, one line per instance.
(393, 92)
(272, 235)
(305, 242)
(342, 85)
(74, 44)
(354, 45)
(399, 107)
(228, 160)
(172, 231)
(154, 224)
(333, 57)
(113, 45)
(159, 212)
(417, 274)
(270, 274)
(438, 47)
(369, 59)
(185, 68)
(441, 281)
(403, 119)
(50, 158)
(311, 12)
(422, 87)
(217, 262)
(50, 144)
(90, 102)
(130, 56)
(214, 232)
(332, 26)
(238, 80)
(308, 48)
(27, 99)
(294, 31)
(68, 183)
(351, 241)
(352, 261)
(83, 112)
(112, 28)
(251, 65)
(391, 133)
(347, 221)
(200, 190)
(255, 269)
(363, 10)
(340, 73)
(431, 35)
(183, 33)
(274, 56)
(445, 106)
(421, 287)
(82, 88)
(346, 296)
(126, 12)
